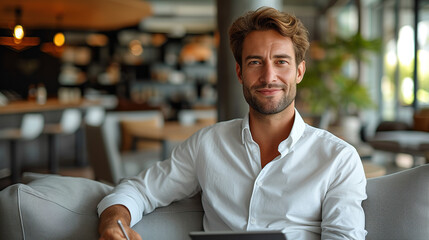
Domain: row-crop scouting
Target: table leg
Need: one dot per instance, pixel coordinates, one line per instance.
(15, 170)
(79, 148)
(164, 150)
(52, 161)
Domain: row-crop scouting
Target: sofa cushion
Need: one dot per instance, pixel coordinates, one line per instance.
(55, 207)
(398, 205)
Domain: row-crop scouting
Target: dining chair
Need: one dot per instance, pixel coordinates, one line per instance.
(31, 128)
(127, 126)
(103, 144)
(97, 155)
(70, 122)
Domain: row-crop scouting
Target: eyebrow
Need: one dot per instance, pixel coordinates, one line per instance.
(283, 56)
(252, 57)
(275, 56)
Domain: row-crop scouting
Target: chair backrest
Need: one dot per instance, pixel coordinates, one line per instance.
(96, 145)
(95, 116)
(421, 120)
(71, 120)
(32, 125)
(97, 154)
(113, 122)
(127, 126)
(398, 205)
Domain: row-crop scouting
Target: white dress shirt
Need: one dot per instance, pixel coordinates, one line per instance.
(312, 190)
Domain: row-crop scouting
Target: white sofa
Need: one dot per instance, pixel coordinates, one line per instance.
(54, 207)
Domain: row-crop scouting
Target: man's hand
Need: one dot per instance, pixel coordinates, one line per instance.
(109, 228)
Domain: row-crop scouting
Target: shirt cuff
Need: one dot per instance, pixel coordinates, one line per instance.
(121, 199)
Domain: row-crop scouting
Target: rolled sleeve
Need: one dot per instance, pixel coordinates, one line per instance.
(125, 195)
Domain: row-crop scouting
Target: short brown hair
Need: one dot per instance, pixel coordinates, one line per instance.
(266, 18)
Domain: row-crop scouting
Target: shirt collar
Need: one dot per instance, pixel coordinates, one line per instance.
(295, 134)
(245, 129)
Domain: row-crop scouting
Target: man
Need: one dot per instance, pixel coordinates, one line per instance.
(268, 171)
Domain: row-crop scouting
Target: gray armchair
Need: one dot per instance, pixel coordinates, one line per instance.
(53, 207)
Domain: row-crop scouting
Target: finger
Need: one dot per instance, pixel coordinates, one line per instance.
(112, 234)
(134, 235)
(130, 233)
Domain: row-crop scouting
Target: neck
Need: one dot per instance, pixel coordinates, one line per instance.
(269, 131)
(279, 123)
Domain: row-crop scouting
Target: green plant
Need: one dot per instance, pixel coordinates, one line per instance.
(327, 86)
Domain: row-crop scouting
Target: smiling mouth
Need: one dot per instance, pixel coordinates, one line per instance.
(269, 91)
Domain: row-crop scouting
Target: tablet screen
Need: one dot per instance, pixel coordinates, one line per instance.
(259, 235)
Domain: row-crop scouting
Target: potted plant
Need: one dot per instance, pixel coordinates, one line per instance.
(326, 87)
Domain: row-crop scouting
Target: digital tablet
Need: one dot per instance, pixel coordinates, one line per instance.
(251, 235)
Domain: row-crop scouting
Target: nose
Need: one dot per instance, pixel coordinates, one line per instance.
(268, 74)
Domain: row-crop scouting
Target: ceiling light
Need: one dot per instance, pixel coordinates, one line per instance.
(59, 39)
(18, 30)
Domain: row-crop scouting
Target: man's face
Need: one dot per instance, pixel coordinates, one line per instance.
(269, 73)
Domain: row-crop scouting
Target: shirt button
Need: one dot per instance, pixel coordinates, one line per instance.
(252, 221)
(258, 184)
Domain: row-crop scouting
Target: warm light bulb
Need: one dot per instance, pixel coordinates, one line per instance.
(59, 39)
(18, 32)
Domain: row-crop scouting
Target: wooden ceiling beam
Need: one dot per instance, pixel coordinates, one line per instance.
(74, 14)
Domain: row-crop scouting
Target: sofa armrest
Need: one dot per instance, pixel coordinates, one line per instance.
(51, 207)
(398, 205)
(55, 207)
(174, 221)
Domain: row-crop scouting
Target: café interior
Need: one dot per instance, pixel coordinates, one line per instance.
(103, 89)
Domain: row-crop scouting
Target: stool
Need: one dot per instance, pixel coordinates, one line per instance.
(31, 128)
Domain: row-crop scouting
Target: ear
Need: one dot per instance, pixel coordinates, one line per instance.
(238, 72)
(300, 72)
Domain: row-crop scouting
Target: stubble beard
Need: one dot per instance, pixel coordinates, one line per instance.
(270, 106)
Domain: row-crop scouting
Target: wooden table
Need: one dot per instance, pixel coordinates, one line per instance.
(51, 104)
(415, 143)
(170, 132)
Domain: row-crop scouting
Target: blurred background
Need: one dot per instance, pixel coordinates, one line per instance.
(367, 72)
